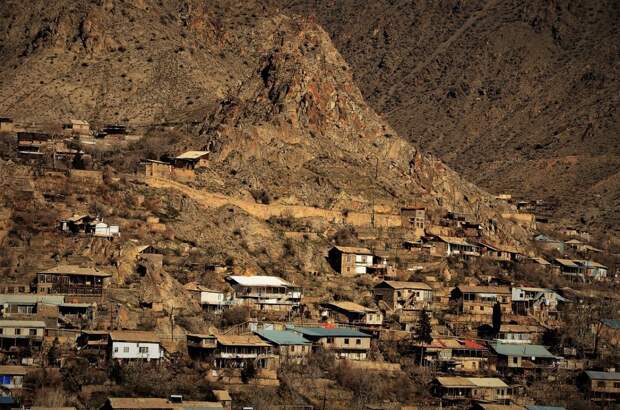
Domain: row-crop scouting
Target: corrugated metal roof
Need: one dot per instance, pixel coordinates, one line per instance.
(354, 249)
(397, 284)
(241, 340)
(134, 336)
(31, 299)
(283, 337)
(596, 375)
(22, 323)
(487, 382)
(613, 323)
(75, 270)
(259, 280)
(349, 307)
(192, 154)
(521, 350)
(454, 381)
(567, 262)
(329, 332)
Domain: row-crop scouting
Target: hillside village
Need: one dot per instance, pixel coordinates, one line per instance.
(111, 299)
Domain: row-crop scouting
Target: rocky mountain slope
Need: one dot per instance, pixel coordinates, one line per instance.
(519, 97)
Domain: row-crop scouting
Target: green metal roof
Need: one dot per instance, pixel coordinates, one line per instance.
(283, 337)
(327, 332)
(595, 375)
(521, 350)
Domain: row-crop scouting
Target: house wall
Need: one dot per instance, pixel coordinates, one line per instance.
(11, 381)
(131, 350)
(605, 386)
(23, 331)
(211, 298)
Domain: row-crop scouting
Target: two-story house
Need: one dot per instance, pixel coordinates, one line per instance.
(601, 386)
(211, 300)
(450, 355)
(265, 293)
(522, 357)
(400, 295)
(540, 302)
(346, 343)
(72, 280)
(350, 261)
(519, 334)
(479, 300)
(235, 351)
(352, 313)
(12, 379)
(134, 345)
(21, 333)
(289, 345)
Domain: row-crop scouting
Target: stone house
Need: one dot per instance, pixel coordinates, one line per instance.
(350, 261)
(192, 160)
(395, 295)
(352, 313)
(479, 300)
(600, 386)
(72, 280)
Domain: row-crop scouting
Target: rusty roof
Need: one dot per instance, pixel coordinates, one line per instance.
(241, 340)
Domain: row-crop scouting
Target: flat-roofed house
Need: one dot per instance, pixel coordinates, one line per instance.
(12, 378)
(192, 160)
(396, 295)
(21, 333)
(349, 260)
(72, 280)
(289, 345)
(519, 334)
(135, 345)
(346, 343)
(413, 218)
(523, 357)
(234, 351)
(603, 386)
(265, 293)
(448, 355)
(479, 300)
(455, 389)
(174, 402)
(353, 313)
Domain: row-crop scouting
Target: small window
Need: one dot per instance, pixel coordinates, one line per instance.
(600, 384)
(144, 349)
(116, 350)
(515, 360)
(330, 340)
(358, 341)
(33, 332)
(18, 332)
(346, 341)
(126, 349)
(481, 307)
(616, 385)
(1, 330)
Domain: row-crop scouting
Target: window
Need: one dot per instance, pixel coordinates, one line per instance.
(33, 332)
(126, 349)
(481, 307)
(18, 332)
(330, 340)
(515, 360)
(616, 385)
(116, 350)
(600, 384)
(143, 349)
(346, 341)
(358, 341)
(1, 330)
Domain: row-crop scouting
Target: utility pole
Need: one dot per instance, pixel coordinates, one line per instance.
(172, 323)
(372, 201)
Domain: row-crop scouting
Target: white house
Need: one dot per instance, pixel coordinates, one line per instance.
(131, 345)
(265, 292)
(104, 230)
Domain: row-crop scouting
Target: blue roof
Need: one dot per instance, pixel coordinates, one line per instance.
(325, 332)
(535, 407)
(521, 350)
(283, 337)
(613, 323)
(7, 400)
(592, 374)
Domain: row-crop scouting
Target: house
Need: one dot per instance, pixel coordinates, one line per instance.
(234, 351)
(134, 345)
(600, 386)
(350, 261)
(89, 225)
(72, 280)
(76, 127)
(192, 160)
(174, 402)
(487, 389)
(211, 300)
(539, 302)
(32, 142)
(446, 246)
(549, 244)
(582, 269)
(511, 356)
(479, 300)
(93, 344)
(346, 343)
(289, 345)
(156, 169)
(10, 288)
(500, 253)
(569, 268)
(46, 306)
(265, 293)
(413, 218)
(12, 378)
(594, 270)
(201, 346)
(449, 355)
(396, 295)
(21, 333)
(352, 313)
(578, 233)
(519, 334)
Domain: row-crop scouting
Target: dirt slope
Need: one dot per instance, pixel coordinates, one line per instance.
(519, 97)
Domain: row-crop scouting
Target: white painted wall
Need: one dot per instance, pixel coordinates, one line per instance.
(131, 350)
(211, 298)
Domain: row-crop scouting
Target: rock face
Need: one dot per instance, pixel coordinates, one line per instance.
(518, 97)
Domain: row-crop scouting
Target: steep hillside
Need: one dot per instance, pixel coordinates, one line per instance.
(519, 97)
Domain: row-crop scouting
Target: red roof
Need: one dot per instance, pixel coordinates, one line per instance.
(473, 344)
